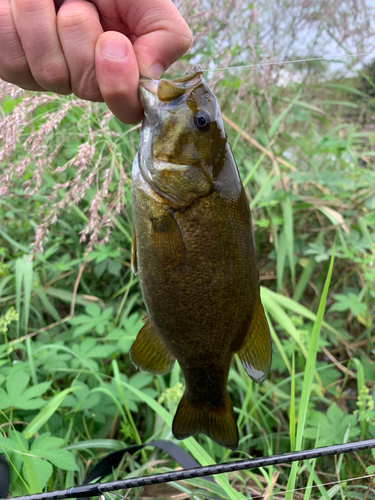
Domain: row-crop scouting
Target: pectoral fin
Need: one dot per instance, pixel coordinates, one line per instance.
(149, 353)
(255, 353)
(167, 240)
(133, 261)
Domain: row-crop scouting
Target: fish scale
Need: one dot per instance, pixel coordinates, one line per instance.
(195, 255)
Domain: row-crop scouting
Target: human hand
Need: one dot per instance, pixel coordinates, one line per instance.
(94, 49)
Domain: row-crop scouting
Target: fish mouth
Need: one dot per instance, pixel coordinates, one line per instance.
(155, 93)
(148, 90)
(149, 85)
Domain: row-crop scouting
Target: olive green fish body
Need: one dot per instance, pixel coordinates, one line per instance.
(195, 255)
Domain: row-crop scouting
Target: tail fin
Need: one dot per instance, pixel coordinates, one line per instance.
(218, 423)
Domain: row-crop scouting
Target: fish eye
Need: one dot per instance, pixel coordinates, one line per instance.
(203, 120)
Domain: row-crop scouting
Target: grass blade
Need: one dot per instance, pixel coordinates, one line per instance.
(279, 345)
(304, 279)
(272, 297)
(254, 168)
(292, 414)
(280, 260)
(19, 276)
(48, 305)
(28, 284)
(116, 373)
(280, 316)
(265, 188)
(191, 444)
(24, 279)
(289, 237)
(47, 411)
(308, 377)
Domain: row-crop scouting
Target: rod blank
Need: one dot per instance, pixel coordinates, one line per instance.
(98, 489)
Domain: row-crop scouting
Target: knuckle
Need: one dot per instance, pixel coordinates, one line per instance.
(86, 87)
(16, 64)
(91, 95)
(182, 35)
(33, 6)
(53, 76)
(21, 79)
(186, 37)
(186, 41)
(14, 69)
(69, 20)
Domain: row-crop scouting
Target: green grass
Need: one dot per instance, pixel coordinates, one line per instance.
(308, 379)
(68, 319)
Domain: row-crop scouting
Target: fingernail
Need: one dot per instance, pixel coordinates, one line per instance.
(155, 71)
(114, 49)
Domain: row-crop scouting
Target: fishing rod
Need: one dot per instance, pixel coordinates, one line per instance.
(90, 490)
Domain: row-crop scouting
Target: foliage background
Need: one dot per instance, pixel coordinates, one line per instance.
(303, 137)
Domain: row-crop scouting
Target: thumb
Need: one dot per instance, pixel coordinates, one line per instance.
(117, 75)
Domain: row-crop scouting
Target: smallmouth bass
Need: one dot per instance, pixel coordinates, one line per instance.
(194, 252)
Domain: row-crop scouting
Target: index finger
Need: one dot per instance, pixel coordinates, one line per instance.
(161, 35)
(35, 21)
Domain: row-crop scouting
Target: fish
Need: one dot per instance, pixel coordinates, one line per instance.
(194, 252)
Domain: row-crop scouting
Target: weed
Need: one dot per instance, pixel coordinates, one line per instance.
(69, 316)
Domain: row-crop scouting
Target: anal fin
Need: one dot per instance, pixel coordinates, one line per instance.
(149, 353)
(255, 353)
(167, 240)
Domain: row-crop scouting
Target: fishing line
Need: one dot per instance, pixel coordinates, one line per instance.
(97, 489)
(290, 62)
